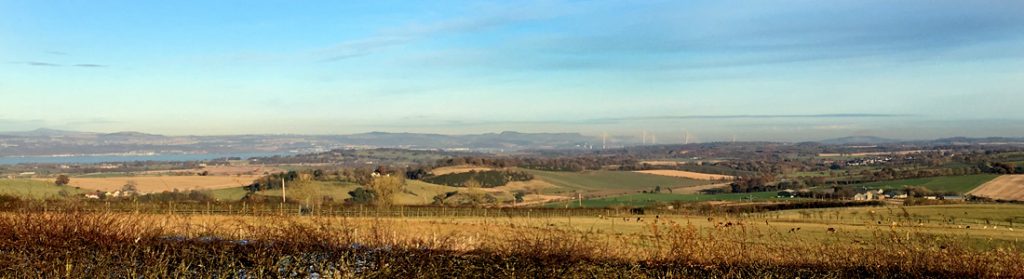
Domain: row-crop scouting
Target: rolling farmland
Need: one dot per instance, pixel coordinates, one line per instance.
(611, 181)
(957, 184)
(155, 184)
(687, 174)
(1006, 187)
(34, 188)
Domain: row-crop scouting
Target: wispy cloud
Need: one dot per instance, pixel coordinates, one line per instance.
(90, 65)
(416, 31)
(50, 64)
(668, 37)
(38, 64)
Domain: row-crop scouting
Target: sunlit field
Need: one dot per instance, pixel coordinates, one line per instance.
(850, 242)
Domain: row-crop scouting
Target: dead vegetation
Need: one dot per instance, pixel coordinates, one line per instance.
(75, 244)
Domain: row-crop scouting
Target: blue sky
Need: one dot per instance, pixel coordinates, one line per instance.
(774, 70)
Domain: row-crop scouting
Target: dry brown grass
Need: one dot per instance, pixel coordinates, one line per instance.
(699, 188)
(1006, 187)
(89, 245)
(458, 169)
(663, 163)
(155, 184)
(238, 170)
(687, 174)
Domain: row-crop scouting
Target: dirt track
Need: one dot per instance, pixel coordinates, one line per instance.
(1006, 187)
(687, 174)
(698, 189)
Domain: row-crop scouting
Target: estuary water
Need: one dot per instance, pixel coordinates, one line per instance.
(92, 159)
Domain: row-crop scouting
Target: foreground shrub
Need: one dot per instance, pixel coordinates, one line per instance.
(98, 245)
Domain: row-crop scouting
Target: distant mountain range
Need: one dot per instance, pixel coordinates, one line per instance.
(870, 140)
(858, 140)
(49, 142)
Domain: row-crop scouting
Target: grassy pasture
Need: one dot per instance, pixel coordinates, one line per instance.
(958, 184)
(36, 189)
(313, 190)
(944, 217)
(414, 193)
(418, 192)
(227, 194)
(161, 183)
(611, 181)
(641, 200)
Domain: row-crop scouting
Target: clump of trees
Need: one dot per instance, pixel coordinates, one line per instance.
(1001, 168)
(380, 192)
(62, 180)
(362, 196)
(485, 179)
(272, 181)
(752, 184)
(176, 196)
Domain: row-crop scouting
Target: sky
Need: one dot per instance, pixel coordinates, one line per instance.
(755, 70)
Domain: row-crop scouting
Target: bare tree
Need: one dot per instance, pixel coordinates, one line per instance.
(62, 180)
(476, 197)
(385, 188)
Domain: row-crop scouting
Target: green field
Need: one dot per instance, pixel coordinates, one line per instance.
(313, 190)
(958, 184)
(419, 192)
(642, 200)
(227, 194)
(965, 214)
(612, 180)
(414, 193)
(34, 188)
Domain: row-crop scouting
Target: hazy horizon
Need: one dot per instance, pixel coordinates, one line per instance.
(754, 70)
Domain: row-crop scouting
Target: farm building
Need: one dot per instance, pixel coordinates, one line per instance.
(870, 195)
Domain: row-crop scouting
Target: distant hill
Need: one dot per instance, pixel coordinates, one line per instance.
(43, 132)
(47, 142)
(987, 140)
(858, 140)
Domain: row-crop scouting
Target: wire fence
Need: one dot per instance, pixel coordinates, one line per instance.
(264, 209)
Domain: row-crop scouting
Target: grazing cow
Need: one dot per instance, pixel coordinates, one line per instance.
(831, 230)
